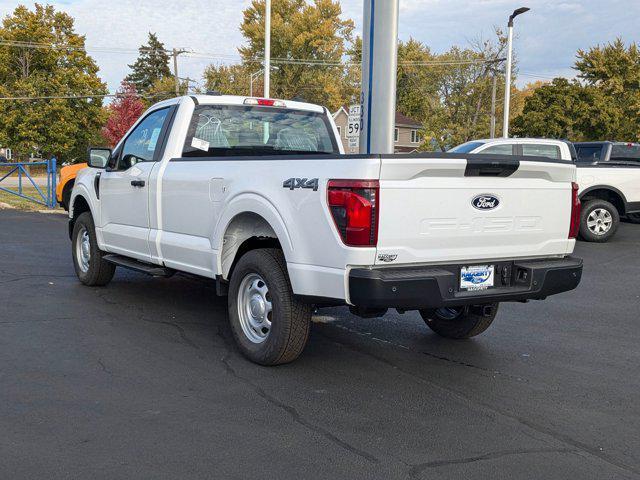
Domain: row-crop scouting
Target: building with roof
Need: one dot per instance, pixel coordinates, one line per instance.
(407, 137)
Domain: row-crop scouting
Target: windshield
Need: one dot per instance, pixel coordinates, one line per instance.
(466, 147)
(225, 130)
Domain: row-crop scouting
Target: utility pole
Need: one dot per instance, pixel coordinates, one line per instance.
(507, 82)
(251, 78)
(493, 105)
(174, 54)
(379, 63)
(493, 94)
(267, 48)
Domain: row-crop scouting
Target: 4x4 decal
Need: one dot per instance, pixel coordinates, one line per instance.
(293, 183)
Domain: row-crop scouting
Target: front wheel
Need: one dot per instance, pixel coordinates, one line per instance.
(460, 322)
(599, 221)
(91, 268)
(269, 324)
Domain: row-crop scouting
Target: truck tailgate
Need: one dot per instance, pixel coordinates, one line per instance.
(443, 209)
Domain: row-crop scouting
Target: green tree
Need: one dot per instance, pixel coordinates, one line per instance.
(614, 70)
(59, 67)
(151, 65)
(299, 30)
(449, 93)
(604, 104)
(231, 79)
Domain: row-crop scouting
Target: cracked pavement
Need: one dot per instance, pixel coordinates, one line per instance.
(141, 380)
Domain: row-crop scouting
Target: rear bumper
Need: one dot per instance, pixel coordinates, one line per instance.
(438, 286)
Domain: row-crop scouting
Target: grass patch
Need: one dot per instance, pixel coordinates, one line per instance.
(22, 203)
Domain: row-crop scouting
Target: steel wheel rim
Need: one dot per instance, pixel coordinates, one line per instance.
(83, 249)
(599, 221)
(254, 308)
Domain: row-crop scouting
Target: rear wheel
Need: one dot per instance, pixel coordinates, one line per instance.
(91, 268)
(269, 324)
(599, 221)
(460, 322)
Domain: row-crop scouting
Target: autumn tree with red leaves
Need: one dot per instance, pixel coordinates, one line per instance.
(123, 112)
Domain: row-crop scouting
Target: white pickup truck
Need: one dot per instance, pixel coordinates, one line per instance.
(608, 176)
(258, 195)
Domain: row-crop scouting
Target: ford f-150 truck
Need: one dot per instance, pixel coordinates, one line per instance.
(258, 195)
(608, 175)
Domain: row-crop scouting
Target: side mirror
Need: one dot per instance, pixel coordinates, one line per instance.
(99, 157)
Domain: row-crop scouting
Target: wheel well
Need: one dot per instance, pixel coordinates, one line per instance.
(80, 205)
(605, 194)
(246, 232)
(69, 185)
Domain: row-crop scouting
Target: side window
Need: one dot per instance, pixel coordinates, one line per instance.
(500, 149)
(539, 150)
(141, 144)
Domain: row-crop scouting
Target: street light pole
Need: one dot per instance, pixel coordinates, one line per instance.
(267, 48)
(507, 82)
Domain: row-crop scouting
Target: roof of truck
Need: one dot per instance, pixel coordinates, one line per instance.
(518, 139)
(239, 100)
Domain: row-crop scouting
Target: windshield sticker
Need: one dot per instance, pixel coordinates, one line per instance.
(200, 144)
(153, 140)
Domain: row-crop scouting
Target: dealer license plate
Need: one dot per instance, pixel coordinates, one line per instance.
(477, 277)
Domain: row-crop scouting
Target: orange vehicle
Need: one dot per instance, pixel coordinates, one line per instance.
(65, 185)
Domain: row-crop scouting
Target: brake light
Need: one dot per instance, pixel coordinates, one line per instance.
(264, 102)
(354, 206)
(574, 227)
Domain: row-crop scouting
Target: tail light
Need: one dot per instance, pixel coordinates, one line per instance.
(354, 206)
(574, 227)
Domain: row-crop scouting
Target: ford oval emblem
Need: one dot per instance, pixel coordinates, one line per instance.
(485, 202)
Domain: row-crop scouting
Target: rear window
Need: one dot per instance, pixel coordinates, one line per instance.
(541, 150)
(589, 153)
(626, 152)
(466, 147)
(229, 130)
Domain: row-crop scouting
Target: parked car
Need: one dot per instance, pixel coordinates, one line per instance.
(608, 176)
(65, 184)
(258, 195)
(613, 170)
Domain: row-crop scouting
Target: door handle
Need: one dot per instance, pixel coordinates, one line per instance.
(137, 183)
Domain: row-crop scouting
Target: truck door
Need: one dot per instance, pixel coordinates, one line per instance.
(124, 187)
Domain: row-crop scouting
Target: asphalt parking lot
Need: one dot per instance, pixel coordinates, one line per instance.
(141, 380)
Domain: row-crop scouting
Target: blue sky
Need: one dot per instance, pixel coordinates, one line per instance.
(547, 37)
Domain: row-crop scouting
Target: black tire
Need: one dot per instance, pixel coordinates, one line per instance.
(66, 195)
(99, 271)
(587, 209)
(633, 217)
(460, 322)
(290, 319)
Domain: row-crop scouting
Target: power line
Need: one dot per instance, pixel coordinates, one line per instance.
(226, 56)
(87, 96)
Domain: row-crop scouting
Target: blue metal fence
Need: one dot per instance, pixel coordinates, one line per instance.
(46, 197)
